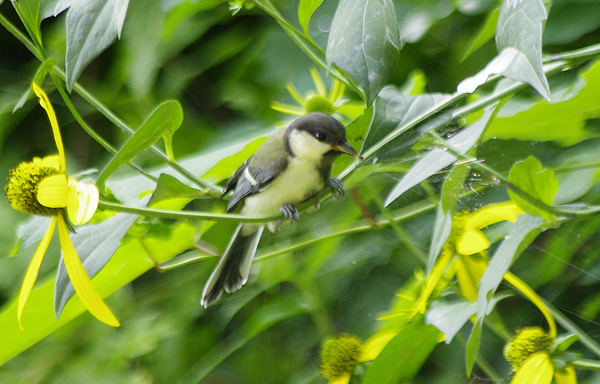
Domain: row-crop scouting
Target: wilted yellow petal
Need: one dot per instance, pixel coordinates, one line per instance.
(82, 202)
(51, 161)
(469, 270)
(372, 347)
(33, 270)
(472, 242)
(45, 103)
(569, 377)
(491, 214)
(538, 369)
(53, 191)
(80, 280)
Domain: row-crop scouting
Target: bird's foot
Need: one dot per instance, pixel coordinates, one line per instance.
(337, 188)
(289, 213)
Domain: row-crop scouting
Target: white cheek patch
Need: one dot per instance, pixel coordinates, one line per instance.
(305, 145)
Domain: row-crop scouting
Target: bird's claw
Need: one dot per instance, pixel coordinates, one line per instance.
(337, 188)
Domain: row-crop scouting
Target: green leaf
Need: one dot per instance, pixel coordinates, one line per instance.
(404, 355)
(519, 41)
(473, 346)
(486, 32)
(562, 122)
(226, 167)
(535, 180)
(441, 232)
(392, 111)
(167, 117)
(128, 262)
(39, 77)
(523, 231)
(30, 232)
(438, 159)
(92, 25)
(306, 8)
(364, 41)
(168, 188)
(95, 245)
(29, 11)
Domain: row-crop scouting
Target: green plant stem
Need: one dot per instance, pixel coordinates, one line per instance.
(586, 364)
(106, 112)
(566, 323)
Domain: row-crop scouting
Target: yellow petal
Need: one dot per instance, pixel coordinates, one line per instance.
(45, 103)
(491, 214)
(34, 267)
(472, 242)
(286, 108)
(538, 369)
(469, 270)
(372, 347)
(80, 280)
(53, 191)
(569, 377)
(434, 277)
(51, 162)
(82, 201)
(318, 82)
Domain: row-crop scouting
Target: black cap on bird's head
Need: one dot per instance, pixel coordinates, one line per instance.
(325, 129)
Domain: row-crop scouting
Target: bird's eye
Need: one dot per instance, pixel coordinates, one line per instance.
(321, 136)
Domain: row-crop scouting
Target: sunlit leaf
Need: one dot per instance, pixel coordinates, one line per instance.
(563, 122)
(364, 41)
(226, 167)
(167, 117)
(486, 32)
(535, 180)
(306, 8)
(169, 188)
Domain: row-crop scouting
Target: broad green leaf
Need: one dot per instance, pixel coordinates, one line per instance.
(306, 8)
(473, 346)
(401, 359)
(95, 244)
(30, 232)
(535, 180)
(169, 188)
(454, 183)
(486, 32)
(562, 122)
(167, 117)
(364, 41)
(577, 170)
(128, 262)
(393, 112)
(226, 167)
(519, 41)
(438, 159)
(525, 229)
(92, 25)
(29, 11)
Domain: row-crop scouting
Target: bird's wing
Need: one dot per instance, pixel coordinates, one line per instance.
(250, 180)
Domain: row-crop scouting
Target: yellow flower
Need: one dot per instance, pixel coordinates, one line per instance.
(42, 187)
(463, 254)
(320, 100)
(528, 352)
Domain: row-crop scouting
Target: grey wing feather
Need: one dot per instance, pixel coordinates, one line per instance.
(258, 180)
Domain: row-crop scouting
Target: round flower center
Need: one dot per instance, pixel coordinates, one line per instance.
(22, 188)
(318, 103)
(524, 344)
(340, 356)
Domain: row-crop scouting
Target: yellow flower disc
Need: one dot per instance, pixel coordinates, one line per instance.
(23, 184)
(524, 344)
(340, 356)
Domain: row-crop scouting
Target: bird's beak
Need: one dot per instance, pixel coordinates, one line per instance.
(346, 148)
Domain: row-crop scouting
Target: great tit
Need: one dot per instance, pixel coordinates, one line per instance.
(290, 167)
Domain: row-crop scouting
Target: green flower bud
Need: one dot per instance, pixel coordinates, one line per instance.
(340, 356)
(22, 187)
(524, 344)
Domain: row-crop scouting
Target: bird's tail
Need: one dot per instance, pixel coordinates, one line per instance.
(234, 267)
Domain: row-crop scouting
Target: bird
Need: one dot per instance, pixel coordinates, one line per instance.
(290, 167)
